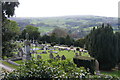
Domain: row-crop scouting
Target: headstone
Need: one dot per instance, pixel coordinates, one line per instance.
(44, 52)
(97, 67)
(27, 50)
(58, 57)
(55, 52)
(54, 58)
(76, 54)
(21, 52)
(63, 57)
(51, 56)
(50, 51)
(39, 57)
(59, 49)
(24, 57)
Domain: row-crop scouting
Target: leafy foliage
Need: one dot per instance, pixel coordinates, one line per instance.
(51, 69)
(48, 69)
(80, 42)
(10, 30)
(32, 32)
(8, 8)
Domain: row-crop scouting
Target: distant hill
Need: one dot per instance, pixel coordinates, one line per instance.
(76, 25)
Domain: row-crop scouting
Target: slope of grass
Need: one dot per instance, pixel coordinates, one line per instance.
(9, 65)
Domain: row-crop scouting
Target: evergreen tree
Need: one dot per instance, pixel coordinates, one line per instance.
(117, 34)
(101, 45)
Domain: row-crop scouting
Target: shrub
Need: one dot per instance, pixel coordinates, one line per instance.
(50, 69)
(86, 62)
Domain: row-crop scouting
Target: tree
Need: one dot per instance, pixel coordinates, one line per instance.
(9, 28)
(45, 38)
(59, 32)
(80, 43)
(68, 40)
(53, 38)
(32, 31)
(101, 45)
(8, 9)
(117, 35)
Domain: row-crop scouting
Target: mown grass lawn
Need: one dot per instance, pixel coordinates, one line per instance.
(68, 54)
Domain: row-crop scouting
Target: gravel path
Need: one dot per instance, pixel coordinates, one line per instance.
(6, 67)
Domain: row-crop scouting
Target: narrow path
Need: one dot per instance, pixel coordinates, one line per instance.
(6, 67)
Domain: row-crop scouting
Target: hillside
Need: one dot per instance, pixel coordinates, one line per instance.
(76, 25)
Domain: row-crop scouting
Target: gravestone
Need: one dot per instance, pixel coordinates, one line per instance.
(39, 57)
(58, 57)
(21, 52)
(55, 52)
(51, 56)
(27, 50)
(97, 67)
(50, 51)
(76, 54)
(44, 52)
(63, 57)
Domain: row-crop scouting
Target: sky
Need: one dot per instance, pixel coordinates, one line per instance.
(51, 8)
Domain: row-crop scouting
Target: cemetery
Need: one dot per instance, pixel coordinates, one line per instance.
(41, 51)
(71, 47)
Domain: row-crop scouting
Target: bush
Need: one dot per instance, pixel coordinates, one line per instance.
(47, 69)
(50, 69)
(86, 62)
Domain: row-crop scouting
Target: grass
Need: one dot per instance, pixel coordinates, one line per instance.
(9, 65)
(69, 55)
(19, 62)
(112, 73)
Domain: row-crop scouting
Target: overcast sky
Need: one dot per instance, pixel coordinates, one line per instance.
(50, 8)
